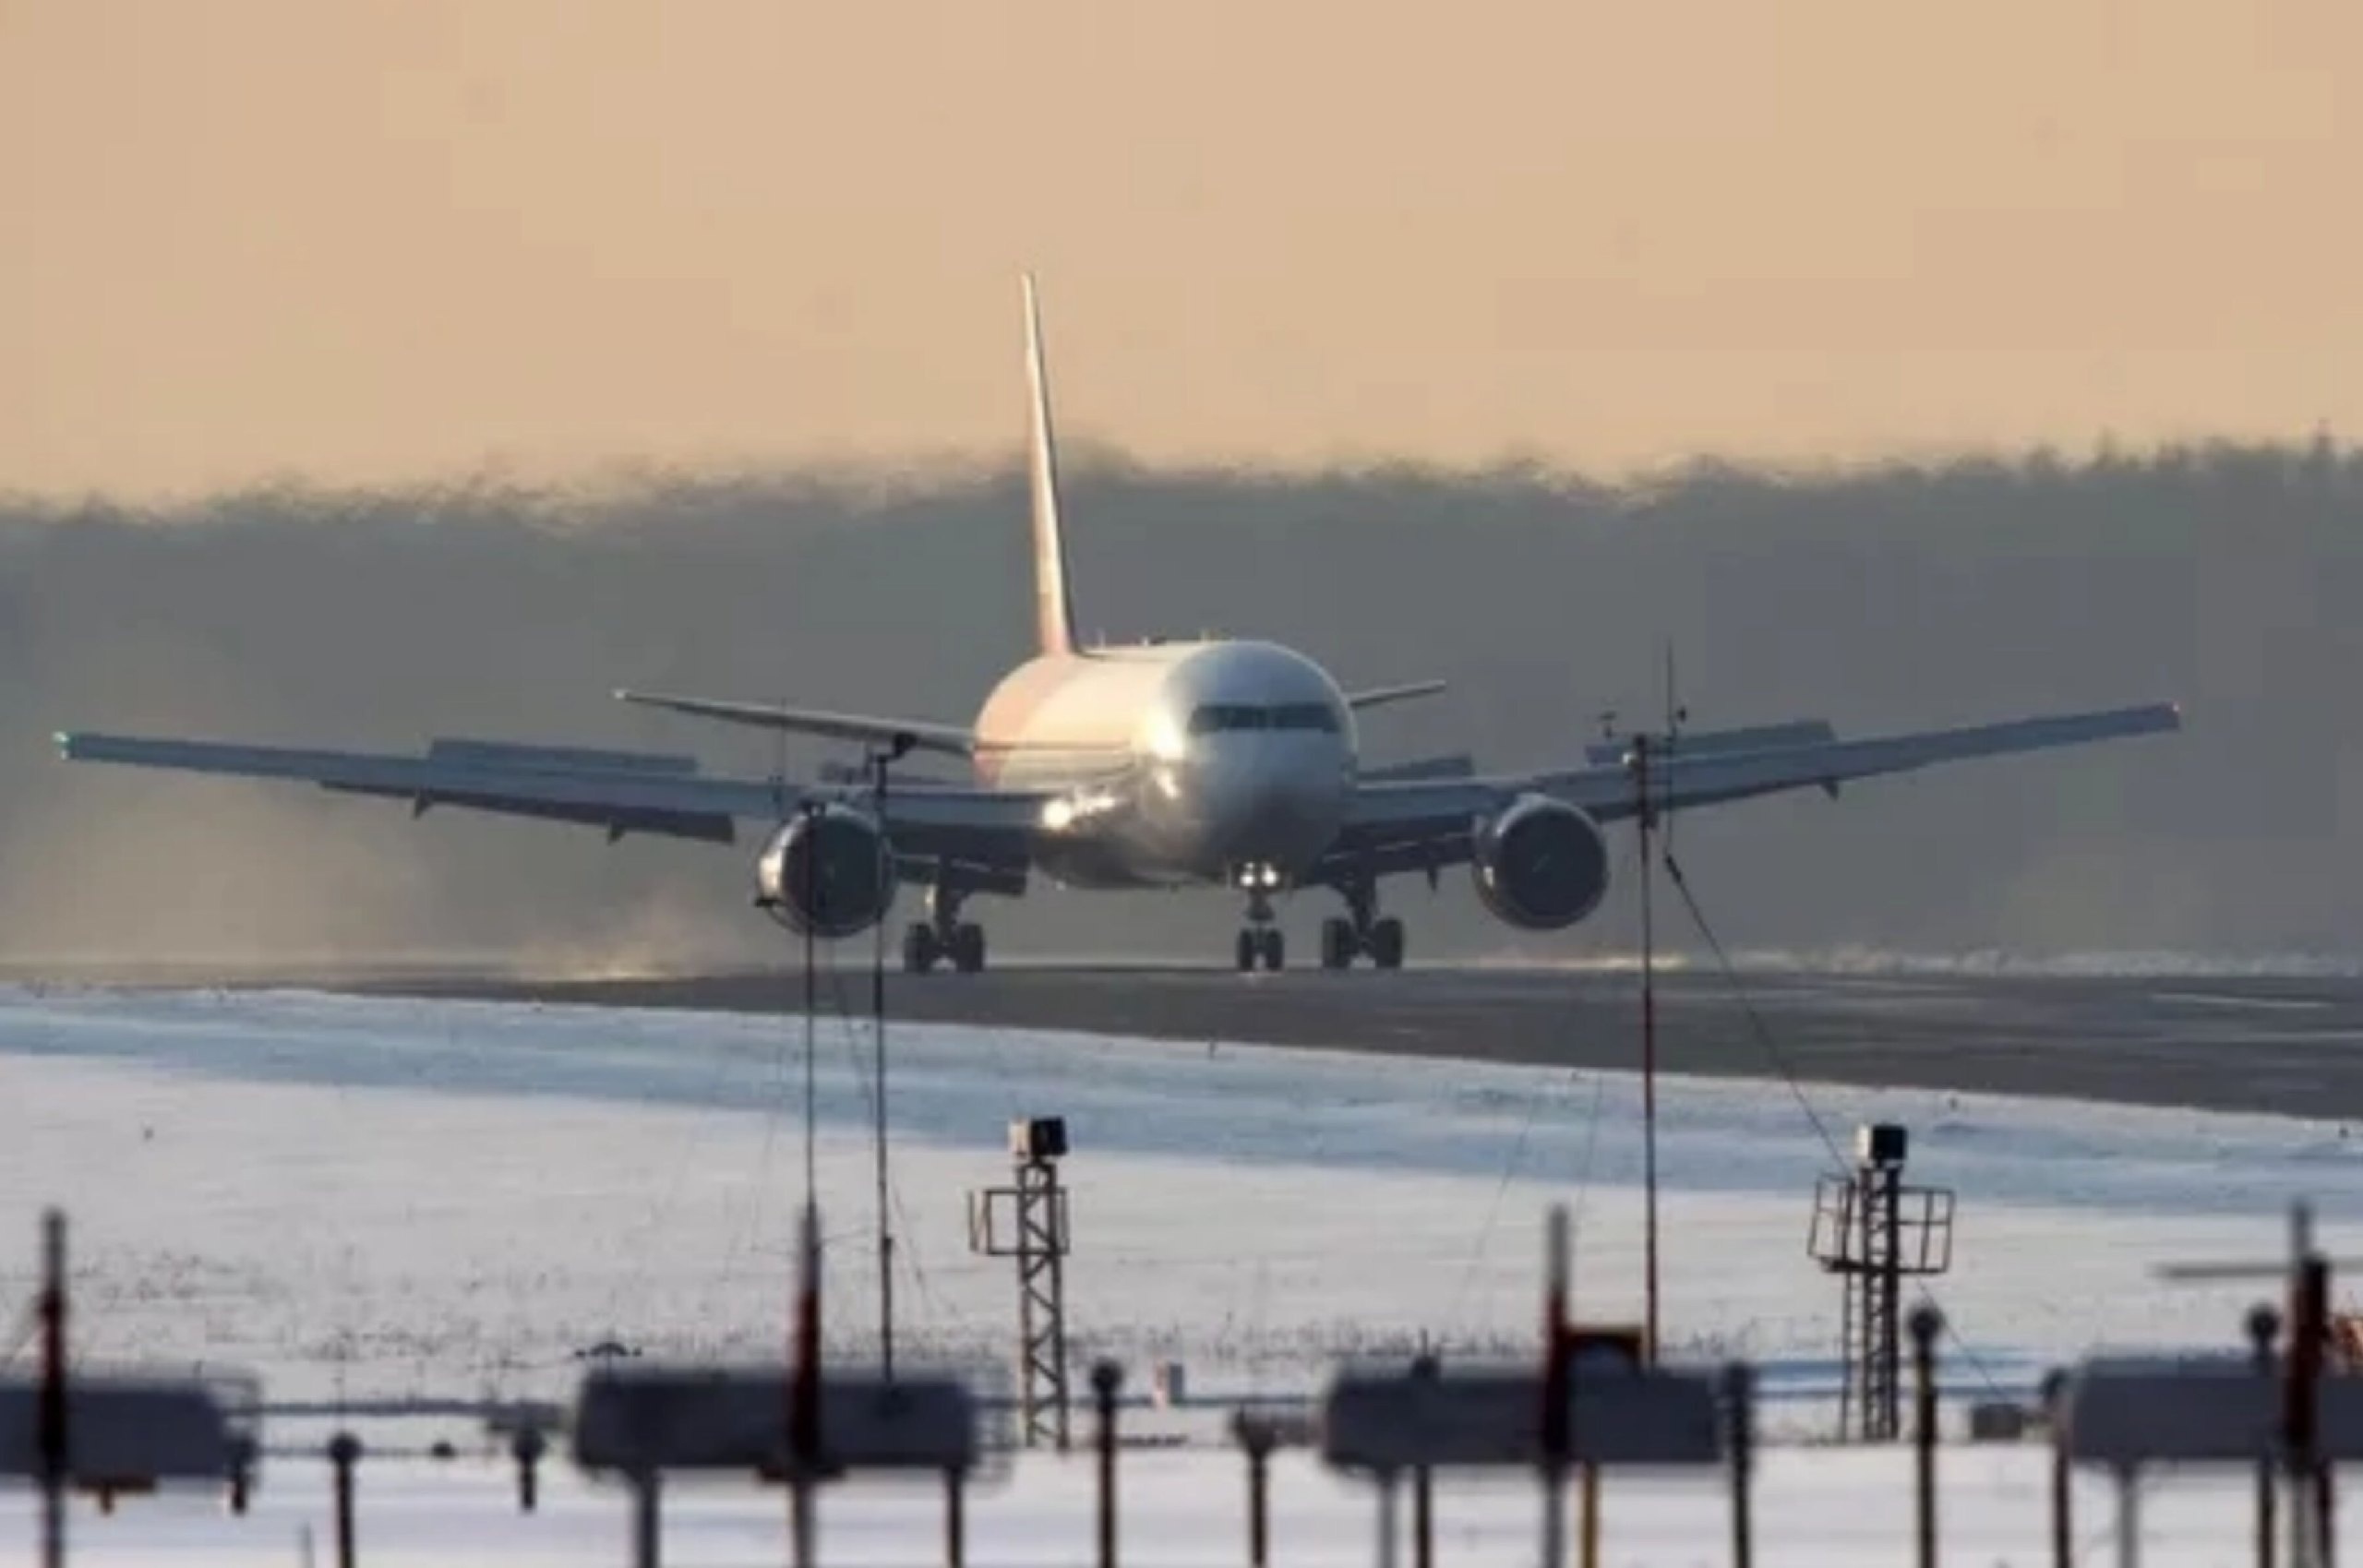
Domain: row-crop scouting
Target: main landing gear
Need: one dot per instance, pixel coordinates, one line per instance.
(944, 937)
(1362, 930)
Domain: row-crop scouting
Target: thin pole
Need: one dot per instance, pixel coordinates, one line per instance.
(53, 1390)
(811, 1001)
(1105, 1377)
(344, 1452)
(1555, 1394)
(647, 1529)
(2265, 1327)
(1649, 1056)
(1925, 1325)
(1739, 1397)
(804, 1412)
(878, 1010)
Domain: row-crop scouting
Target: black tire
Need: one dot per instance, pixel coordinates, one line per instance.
(1336, 944)
(1276, 949)
(968, 949)
(1246, 951)
(1387, 943)
(919, 949)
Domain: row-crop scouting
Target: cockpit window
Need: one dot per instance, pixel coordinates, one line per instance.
(1225, 716)
(1303, 716)
(1217, 716)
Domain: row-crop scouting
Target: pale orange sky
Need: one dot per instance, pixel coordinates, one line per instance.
(370, 240)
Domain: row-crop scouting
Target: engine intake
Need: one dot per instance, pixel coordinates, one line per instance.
(827, 872)
(1541, 865)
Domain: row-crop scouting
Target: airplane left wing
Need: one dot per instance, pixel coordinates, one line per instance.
(620, 791)
(1428, 823)
(867, 727)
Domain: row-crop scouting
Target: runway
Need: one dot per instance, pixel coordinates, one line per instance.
(2288, 1046)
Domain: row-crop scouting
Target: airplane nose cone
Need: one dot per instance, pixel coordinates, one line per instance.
(1278, 802)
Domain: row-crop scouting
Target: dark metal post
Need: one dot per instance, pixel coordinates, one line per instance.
(1926, 1324)
(2063, 1496)
(1106, 1376)
(1256, 1437)
(1555, 1401)
(527, 1446)
(804, 1390)
(242, 1469)
(2326, 1516)
(2308, 1328)
(344, 1452)
(54, 1436)
(1739, 1403)
(2265, 1327)
(647, 1527)
(956, 1519)
(1423, 1493)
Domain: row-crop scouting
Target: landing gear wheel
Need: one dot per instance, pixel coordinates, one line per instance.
(1336, 944)
(968, 948)
(1387, 943)
(920, 950)
(1247, 951)
(1275, 946)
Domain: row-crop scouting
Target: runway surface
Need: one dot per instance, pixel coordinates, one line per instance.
(2290, 1046)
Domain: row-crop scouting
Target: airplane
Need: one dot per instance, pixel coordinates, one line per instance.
(1207, 763)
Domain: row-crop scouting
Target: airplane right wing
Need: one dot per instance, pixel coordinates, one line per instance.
(1424, 824)
(622, 792)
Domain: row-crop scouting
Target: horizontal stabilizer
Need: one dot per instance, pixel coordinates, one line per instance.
(1379, 696)
(1716, 743)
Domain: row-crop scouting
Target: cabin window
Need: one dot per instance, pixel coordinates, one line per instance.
(1303, 716)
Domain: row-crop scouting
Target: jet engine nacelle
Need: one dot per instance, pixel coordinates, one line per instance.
(827, 872)
(1541, 865)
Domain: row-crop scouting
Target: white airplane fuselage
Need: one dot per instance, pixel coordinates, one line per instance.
(1177, 764)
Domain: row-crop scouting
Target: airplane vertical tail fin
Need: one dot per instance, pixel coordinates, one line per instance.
(1053, 606)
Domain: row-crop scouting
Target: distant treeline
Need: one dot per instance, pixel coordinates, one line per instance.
(2228, 577)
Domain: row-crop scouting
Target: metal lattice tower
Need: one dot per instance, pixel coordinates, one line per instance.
(1872, 1231)
(1027, 1221)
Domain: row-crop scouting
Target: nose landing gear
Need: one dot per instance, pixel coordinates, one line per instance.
(944, 937)
(1362, 930)
(1259, 941)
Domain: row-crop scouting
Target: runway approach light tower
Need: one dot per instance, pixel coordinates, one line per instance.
(1871, 1230)
(1028, 1221)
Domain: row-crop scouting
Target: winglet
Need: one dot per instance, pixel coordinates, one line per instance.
(1053, 607)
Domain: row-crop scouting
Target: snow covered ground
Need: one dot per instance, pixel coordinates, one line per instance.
(357, 1197)
(1177, 1509)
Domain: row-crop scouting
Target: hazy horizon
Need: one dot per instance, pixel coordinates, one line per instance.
(400, 240)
